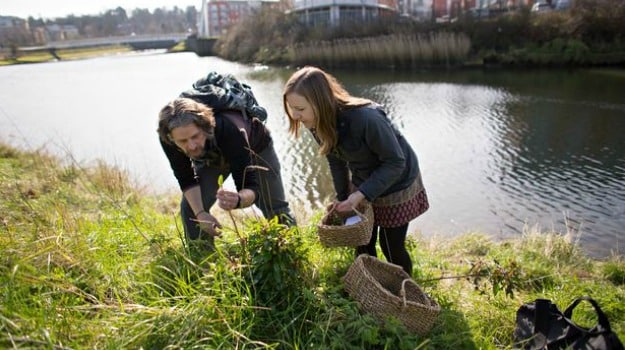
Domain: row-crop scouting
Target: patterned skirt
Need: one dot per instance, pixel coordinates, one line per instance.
(399, 208)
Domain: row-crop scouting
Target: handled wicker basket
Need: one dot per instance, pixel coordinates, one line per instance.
(384, 289)
(354, 235)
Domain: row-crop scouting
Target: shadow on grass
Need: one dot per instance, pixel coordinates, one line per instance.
(451, 331)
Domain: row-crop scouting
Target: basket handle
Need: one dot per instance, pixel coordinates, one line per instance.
(402, 291)
(333, 208)
(330, 209)
(359, 213)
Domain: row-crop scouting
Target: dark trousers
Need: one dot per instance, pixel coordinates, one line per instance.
(393, 244)
(271, 201)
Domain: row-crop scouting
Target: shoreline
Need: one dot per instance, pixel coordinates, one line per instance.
(491, 63)
(112, 271)
(171, 195)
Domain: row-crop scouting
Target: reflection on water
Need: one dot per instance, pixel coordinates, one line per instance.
(549, 160)
(569, 161)
(499, 151)
(504, 152)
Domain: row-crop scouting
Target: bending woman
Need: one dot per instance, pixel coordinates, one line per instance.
(368, 157)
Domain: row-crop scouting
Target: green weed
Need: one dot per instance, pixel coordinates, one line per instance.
(89, 261)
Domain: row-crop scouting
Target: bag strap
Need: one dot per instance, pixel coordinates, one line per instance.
(546, 315)
(602, 318)
(241, 122)
(542, 316)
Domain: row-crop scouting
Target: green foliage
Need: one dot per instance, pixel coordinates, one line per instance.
(277, 264)
(614, 271)
(87, 261)
(501, 277)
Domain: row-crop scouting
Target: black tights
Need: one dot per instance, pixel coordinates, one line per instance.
(393, 243)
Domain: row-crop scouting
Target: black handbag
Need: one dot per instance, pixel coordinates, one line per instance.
(541, 325)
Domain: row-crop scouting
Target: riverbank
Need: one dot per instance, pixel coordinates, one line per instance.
(24, 57)
(587, 34)
(516, 39)
(89, 260)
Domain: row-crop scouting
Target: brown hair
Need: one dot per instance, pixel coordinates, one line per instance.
(181, 112)
(327, 97)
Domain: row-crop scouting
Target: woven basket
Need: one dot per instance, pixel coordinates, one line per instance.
(384, 289)
(346, 235)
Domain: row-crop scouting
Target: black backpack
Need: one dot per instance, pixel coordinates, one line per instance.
(225, 92)
(540, 325)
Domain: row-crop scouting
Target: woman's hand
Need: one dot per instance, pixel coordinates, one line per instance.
(350, 203)
(208, 224)
(228, 200)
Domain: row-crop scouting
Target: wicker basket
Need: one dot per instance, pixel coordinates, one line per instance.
(384, 289)
(346, 235)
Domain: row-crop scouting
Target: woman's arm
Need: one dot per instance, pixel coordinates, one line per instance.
(381, 138)
(340, 176)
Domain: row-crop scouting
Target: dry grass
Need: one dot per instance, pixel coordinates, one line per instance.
(399, 51)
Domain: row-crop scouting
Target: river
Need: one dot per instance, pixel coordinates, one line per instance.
(501, 151)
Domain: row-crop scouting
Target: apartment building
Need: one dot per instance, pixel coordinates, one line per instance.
(334, 12)
(216, 16)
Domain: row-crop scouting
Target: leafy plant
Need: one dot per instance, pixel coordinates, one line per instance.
(505, 278)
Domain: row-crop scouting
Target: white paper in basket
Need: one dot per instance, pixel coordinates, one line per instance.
(352, 220)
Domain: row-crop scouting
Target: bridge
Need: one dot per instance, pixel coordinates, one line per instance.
(137, 42)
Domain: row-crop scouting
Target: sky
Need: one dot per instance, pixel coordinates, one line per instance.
(51, 9)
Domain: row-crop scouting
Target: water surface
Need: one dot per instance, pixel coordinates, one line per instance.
(500, 151)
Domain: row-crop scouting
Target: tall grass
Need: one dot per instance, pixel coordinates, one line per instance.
(399, 51)
(87, 260)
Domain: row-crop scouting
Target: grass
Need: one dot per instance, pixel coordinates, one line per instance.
(89, 260)
(73, 54)
(64, 54)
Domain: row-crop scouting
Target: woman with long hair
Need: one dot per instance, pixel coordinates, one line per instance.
(369, 158)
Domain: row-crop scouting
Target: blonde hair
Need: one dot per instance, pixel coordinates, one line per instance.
(326, 96)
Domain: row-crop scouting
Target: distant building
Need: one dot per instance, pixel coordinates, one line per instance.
(216, 16)
(418, 9)
(59, 32)
(14, 30)
(10, 22)
(334, 12)
(40, 36)
(440, 8)
(450, 9)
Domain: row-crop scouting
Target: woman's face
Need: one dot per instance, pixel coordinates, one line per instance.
(300, 110)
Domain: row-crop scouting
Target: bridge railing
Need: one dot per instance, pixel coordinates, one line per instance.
(115, 40)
